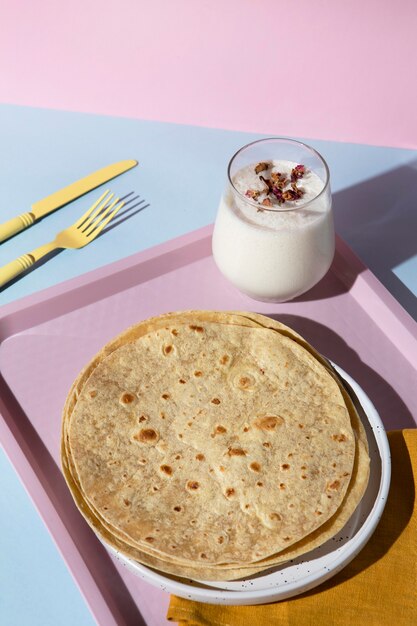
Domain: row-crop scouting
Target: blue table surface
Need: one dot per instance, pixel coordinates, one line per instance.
(174, 190)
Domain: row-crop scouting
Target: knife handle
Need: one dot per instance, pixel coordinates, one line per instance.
(15, 225)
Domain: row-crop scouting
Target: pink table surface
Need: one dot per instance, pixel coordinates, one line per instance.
(329, 70)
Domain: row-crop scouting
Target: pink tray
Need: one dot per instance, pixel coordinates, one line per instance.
(47, 338)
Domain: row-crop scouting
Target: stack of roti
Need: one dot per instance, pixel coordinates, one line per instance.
(213, 445)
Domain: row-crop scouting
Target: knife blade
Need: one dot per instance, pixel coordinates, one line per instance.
(63, 196)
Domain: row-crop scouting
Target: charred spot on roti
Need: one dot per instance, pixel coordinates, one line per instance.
(165, 396)
(236, 452)
(166, 469)
(198, 373)
(197, 329)
(93, 393)
(268, 422)
(127, 398)
(193, 485)
(200, 457)
(255, 466)
(142, 418)
(167, 349)
(219, 430)
(147, 436)
(339, 437)
(215, 401)
(334, 485)
(229, 492)
(245, 381)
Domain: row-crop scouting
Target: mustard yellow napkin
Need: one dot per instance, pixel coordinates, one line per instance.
(378, 588)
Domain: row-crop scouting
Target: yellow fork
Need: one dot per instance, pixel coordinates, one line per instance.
(78, 235)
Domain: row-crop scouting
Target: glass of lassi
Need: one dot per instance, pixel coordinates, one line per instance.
(274, 236)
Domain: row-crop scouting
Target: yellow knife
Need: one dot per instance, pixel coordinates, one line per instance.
(63, 196)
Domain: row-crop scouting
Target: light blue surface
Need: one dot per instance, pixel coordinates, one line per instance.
(180, 177)
(36, 588)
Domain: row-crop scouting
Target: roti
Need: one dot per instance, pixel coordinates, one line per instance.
(123, 436)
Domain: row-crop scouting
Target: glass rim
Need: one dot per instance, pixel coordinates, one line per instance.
(287, 140)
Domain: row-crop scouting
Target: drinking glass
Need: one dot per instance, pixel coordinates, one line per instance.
(275, 253)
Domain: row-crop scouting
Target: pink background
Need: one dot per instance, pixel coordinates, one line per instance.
(331, 70)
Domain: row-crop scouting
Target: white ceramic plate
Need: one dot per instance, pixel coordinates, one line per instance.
(308, 571)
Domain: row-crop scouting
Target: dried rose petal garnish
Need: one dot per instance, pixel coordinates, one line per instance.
(289, 195)
(279, 179)
(297, 190)
(277, 186)
(261, 167)
(253, 193)
(267, 182)
(297, 172)
(278, 193)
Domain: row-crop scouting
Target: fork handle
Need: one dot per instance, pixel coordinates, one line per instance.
(14, 268)
(23, 263)
(15, 225)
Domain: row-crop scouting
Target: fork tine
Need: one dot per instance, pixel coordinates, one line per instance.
(102, 224)
(95, 220)
(99, 211)
(91, 209)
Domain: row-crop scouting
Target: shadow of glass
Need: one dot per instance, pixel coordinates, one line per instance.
(378, 219)
(98, 561)
(392, 409)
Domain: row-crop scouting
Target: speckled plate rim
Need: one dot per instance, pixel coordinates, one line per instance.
(322, 563)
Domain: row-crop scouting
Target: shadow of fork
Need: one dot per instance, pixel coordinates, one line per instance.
(126, 213)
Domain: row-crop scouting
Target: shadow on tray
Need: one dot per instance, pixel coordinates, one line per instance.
(393, 411)
(378, 218)
(96, 557)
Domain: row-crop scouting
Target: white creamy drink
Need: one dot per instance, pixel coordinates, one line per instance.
(274, 235)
